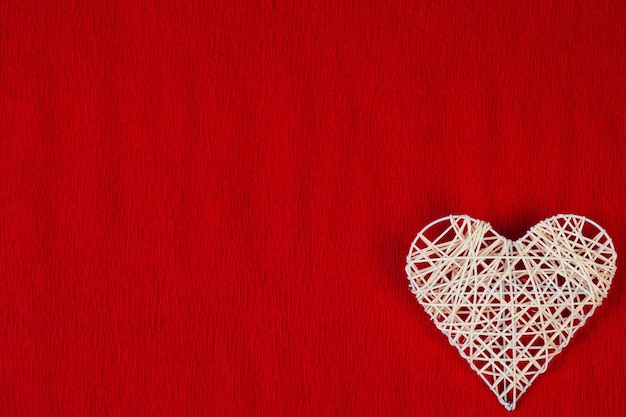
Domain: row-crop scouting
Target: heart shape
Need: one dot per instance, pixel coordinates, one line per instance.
(509, 307)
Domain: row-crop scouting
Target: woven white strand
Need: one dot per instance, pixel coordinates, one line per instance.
(509, 306)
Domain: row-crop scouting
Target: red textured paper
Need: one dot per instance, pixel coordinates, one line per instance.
(205, 207)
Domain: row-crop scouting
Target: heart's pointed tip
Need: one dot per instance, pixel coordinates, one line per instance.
(509, 406)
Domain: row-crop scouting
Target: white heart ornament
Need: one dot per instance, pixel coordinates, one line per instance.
(510, 307)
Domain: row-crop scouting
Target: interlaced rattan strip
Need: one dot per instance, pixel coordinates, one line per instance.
(510, 306)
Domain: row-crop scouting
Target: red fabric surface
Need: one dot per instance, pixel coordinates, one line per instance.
(205, 207)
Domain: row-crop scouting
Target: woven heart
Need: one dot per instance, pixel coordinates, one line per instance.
(509, 306)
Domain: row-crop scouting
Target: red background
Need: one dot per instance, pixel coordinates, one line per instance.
(205, 208)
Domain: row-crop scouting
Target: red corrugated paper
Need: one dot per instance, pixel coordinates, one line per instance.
(205, 207)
